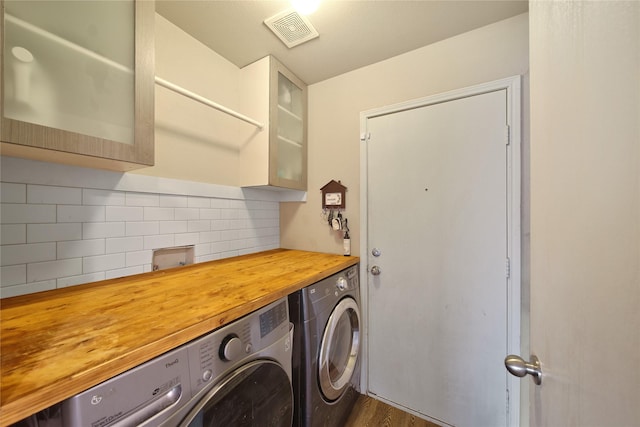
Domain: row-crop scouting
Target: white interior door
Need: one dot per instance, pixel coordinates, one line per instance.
(439, 213)
(585, 212)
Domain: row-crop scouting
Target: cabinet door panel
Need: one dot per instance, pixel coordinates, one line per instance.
(78, 79)
(288, 139)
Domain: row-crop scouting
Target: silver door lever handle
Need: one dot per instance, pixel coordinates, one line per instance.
(518, 367)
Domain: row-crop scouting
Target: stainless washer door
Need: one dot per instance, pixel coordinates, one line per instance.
(339, 349)
(256, 394)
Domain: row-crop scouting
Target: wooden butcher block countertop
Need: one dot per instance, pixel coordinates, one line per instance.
(58, 343)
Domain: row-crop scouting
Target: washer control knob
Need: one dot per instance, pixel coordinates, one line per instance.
(230, 348)
(342, 283)
(207, 375)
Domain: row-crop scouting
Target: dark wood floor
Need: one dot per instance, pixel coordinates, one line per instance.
(371, 412)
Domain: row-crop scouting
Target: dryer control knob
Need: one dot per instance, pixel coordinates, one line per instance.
(230, 348)
(342, 283)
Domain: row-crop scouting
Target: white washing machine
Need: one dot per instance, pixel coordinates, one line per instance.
(326, 360)
(238, 375)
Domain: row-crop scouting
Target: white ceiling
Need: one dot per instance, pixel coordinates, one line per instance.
(353, 33)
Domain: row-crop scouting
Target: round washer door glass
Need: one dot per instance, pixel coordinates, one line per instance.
(339, 349)
(258, 393)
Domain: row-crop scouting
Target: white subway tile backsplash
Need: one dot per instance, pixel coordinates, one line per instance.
(173, 227)
(220, 247)
(100, 230)
(13, 275)
(248, 233)
(210, 236)
(229, 235)
(97, 263)
(202, 249)
(124, 244)
(142, 199)
(27, 214)
(56, 234)
(124, 213)
(199, 225)
(262, 205)
(220, 224)
(210, 214)
(11, 234)
(265, 223)
(28, 288)
(220, 203)
(64, 282)
(102, 197)
(186, 239)
(142, 228)
(238, 204)
(25, 254)
(159, 241)
(199, 202)
(81, 248)
(208, 257)
(13, 193)
(237, 224)
(186, 214)
(37, 233)
(237, 244)
(122, 272)
(229, 213)
(81, 213)
(139, 258)
(47, 194)
(39, 271)
(229, 254)
(158, 214)
(173, 201)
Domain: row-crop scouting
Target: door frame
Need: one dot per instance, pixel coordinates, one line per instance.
(512, 85)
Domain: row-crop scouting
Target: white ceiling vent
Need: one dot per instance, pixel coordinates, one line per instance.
(291, 27)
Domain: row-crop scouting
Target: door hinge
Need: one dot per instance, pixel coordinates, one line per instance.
(508, 268)
(365, 136)
(507, 135)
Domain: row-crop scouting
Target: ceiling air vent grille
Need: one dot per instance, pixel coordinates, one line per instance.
(291, 27)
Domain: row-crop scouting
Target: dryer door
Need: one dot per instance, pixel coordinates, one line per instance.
(339, 349)
(258, 393)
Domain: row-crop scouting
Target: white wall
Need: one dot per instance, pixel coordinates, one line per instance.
(193, 141)
(585, 212)
(489, 53)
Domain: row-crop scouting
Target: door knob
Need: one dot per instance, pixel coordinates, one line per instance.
(518, 367)
(375, 270)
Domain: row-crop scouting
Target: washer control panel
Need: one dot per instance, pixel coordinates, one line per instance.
(334, 286)
(214, 354)
(347, 280)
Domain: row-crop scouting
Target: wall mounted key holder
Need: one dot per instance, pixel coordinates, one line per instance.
(333, 195)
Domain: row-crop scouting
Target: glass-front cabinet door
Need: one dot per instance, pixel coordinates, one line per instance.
(288, 139)
(77, 83)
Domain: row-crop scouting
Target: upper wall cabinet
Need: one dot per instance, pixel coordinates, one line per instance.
(78, 82)
(277, 155)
